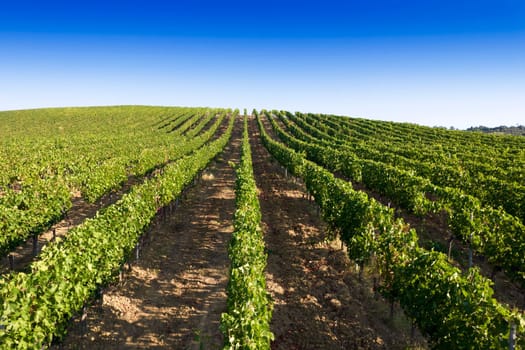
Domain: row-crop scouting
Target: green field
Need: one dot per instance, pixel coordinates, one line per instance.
(433, 218)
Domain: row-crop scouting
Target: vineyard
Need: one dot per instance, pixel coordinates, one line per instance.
(201, 228)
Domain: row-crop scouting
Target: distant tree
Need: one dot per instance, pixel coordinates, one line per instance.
(511, 130)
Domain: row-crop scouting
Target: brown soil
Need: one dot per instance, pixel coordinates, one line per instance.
(319, 301)
(175, 293)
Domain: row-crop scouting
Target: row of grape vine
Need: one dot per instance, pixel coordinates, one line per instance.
(246, 324)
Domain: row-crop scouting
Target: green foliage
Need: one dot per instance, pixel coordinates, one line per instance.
(455, 311)
(512, 130)
(246, 324)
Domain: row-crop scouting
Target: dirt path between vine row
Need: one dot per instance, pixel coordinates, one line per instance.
(174, 295)
(319, 301)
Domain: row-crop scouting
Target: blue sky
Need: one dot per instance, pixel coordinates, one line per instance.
(446, 63)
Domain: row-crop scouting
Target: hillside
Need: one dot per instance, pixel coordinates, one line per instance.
(119, 228)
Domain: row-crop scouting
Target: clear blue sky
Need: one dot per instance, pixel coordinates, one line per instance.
(446, 63)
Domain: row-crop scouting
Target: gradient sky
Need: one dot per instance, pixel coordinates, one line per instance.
(443, 63)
